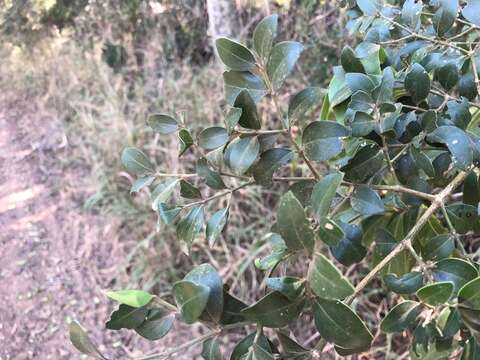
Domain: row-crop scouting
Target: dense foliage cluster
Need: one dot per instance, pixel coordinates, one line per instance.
(397, 137)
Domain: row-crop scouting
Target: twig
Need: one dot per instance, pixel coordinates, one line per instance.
(218, 195)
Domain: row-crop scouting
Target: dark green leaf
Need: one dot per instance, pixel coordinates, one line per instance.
(438, 248)
(133, 298)
(457, 142)
(273, 310)
(350, 249)
(445, 16)
(156, 325)
(166, 213)
(190, 225)
(338, 90)
(471, 190)
(417, 83)
(366, 162)
(282, 59)
(350, 62)
(126, 317)
(213, 179)
(359, 82)
(464, 217)
(232, 118)
(293, 225)
(242, 153)
(191, 299)
(471, 349)
(302, 102)
(162, 123)
(235, 55)
(185, 139)
(469, 294)
(211, 350)
(232, 308)
(448, 75)
(270, 160)
(141, 183)
(289, 286)
(135, 161)
(436, 294)
(249, 118)
(403, 316)
(330, 232)
(213, 137)
(278, 253)
(246, 343)
(215, 225)
(467, 87)
(82, 342)
(302, 190)
(406, 284)
(326, 280)
(237, 81)
(189, 191)
(324, 192)
(322, 140)
(264, 34)
(337, 323)
(455, 270)
(290, 346)
(366, 201)
(471, 319)
(422, 161)
(259, 353)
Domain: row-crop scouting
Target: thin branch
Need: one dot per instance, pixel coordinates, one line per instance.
(218, 195)
(403, 189)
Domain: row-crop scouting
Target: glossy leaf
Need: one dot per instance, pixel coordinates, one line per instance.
(455, 270)
(215, 225)
(242, 348)
(469, 294)
(369, 7)
(232, 308)
(232, 118)
(436, 294)
(457, 142)
(264, 34)
(406, 284)
(289, 286)
(350, 62)
(330, 232)
(212, 137)
(326, 280)
(290, 346)
(403, 316)
(293, 225)
(189, 227)
(238, 81)
(448, 75)
(234, 55)
(471, 190)
(133, 298)
(126, 317)
(162, 123)
(157, 324)
(249, 118)
(471, 12)
(366, 162)
(282, 60)
(438, 247)
(269, 162)
(417, 83)
(445, 16)
(191, 298)
(322, 140)
(366, 201)
(82, 342)
(350, 249)
(135, 161)
(242, 153)
(324, 192)
(168, 213)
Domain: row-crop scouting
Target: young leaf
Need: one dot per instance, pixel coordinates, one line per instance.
(191, 298)
(133, 298)
(264, 34)
(337, 323)
(212, 137)
(190, 225)
(188, 191)
(469, 294)
(302, 102)
(235, 55)
(126, 317)
(135, 161)
(237, 81)
(273, 310)
(270, 160)
(211, 350)
(326, 280)
(455, 270)
(293, 225)
(157, 324)
(185, 140)
(417, 83)
(367, 202)
(162, 123)
(322, 140)
(215, 225)
(436, 294)
(249, 118)
(403, 316)
(324, 192)
(282, 59)
(82, 342)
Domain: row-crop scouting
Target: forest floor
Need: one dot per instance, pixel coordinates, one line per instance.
(56, 257)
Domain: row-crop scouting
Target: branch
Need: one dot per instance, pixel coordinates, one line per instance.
(218, 195)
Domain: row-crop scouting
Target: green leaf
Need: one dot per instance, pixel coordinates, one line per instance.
(208, 276)
(350, 249)
(448, 75)
(458, 144)
(273, 310)
(439, 247)
(82, 342)
(278, 253)
(189, 191)
(246, 343)
(302, 102)
(464, 217)
(467, 87)
(269, 162)
(190, 225)
(293, 225)
(135, 161)
(289, 286)
(411, 12)
(213, 179)
(141, 183)
(469, 294)
(211, 350)
(470, 318)
(215, 225)
(259, 353)
(133, 298)
(282, 59)
(366, 201)
(242, 153)
(422, 161)
(436, 294)
(455, 270)
(364, 164)
(232, 118)
(403, 316)
(330, 232)
(191, 299)
(417, 83)
(350, 61)
(471, 350)
(235, 55)
(264, 34)
(213, 137)
(322, 140)
(471, 190)
(163, 192)
(471, 12)
(232, 308)
(338, 90)
(338, 323)
(324, 192)
(237, 81)
(126, 317)
(185, 140)
(162, 123)
(249, 118)
(359, 82)
(370, 7)
(290, 346)
(406, 284)
(326, 280)
(166, 213)
(445, 16)
(156, 325)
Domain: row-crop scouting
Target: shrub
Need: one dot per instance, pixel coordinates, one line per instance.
(398, 143)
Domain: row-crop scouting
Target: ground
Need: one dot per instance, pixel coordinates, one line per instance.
(56, 257)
